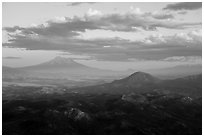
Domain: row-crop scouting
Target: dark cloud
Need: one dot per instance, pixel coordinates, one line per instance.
(10, 57)
(164, 16)
(79, 3)
(158, 15)
(184, 6)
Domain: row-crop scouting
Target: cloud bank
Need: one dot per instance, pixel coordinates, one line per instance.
(184, 6)
(11, 57)
(62, 33)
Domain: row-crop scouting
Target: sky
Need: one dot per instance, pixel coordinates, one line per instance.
(116, 36)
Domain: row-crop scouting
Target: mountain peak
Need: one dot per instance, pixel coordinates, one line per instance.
(61, 60)
(56, 63)
(139, 73)
(138, 78)
(141, 77)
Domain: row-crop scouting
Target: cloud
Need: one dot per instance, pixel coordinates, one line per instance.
(62, 34)
(190, 59)
(117, 49)
(92, 12)
(190, 39)
(184, 6)
(136, 11)
(163, 16)
(10, 57)
(155, 14)
(182, 12)
(80, 3)
(94, 19)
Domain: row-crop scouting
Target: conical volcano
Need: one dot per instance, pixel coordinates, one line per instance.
(137, 79)
(59, 63)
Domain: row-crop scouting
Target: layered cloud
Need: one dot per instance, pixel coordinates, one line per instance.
(182, 12)
(184, 6)
(189, 59)
(62, 34)
(11, 57)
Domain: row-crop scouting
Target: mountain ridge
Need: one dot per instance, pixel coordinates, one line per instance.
(141, 82)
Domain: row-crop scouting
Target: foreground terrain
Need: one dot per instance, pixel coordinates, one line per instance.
(138, 104)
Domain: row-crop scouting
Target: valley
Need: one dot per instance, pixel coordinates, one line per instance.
(138, 104)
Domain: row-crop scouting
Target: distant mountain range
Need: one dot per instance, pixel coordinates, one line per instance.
(65, 68)
(141, 82)
(177, 71)
(59, 68)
